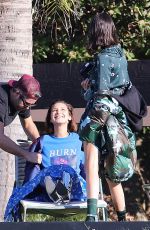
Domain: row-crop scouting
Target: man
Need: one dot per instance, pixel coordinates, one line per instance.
(16, 98)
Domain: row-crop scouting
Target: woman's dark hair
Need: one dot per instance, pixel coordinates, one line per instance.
(72, 126)
(102, 32)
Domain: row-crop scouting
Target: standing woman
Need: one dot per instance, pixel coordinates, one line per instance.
(104, 128)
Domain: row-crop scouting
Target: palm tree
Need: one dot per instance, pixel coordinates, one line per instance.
(15, 60)
(56, 14)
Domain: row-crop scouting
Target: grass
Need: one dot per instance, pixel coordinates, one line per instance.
(47, 218)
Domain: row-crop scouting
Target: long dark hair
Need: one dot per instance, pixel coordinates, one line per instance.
(72, 126)
(102, 32)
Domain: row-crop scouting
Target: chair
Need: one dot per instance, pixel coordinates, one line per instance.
(55, 210)
(62, 210)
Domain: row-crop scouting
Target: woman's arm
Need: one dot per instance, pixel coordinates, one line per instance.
(103, 107)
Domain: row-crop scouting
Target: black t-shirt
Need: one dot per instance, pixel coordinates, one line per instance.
(7, 111)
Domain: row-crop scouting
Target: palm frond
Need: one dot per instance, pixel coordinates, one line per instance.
(57, 13)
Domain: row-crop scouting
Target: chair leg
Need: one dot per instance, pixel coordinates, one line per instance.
(104, 210)
(24, 214)
(105, 214)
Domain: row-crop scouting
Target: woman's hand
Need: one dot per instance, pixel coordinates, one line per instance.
(85, 84)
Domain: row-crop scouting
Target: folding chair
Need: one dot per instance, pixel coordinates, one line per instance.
(55, 210)
(62, 210)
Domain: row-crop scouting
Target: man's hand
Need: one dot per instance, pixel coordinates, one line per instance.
(33, 157)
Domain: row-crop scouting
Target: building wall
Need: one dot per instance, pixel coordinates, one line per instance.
(62, 81)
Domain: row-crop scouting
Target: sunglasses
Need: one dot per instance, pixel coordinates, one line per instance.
(25, 103)
(23, 99)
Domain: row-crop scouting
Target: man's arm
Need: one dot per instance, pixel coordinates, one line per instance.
(11, 147)
(29, 128)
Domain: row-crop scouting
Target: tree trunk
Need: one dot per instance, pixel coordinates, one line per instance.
(15, 60)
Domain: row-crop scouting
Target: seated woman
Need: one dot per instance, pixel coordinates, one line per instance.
(59, 147)
(61, 176)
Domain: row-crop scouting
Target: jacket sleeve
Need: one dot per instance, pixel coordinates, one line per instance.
(103, 107)
(99, 113)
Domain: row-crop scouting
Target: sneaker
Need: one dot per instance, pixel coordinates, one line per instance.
(63, 192)
(49, 184)
(67, 181)
(51, 190)
(57, 192)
